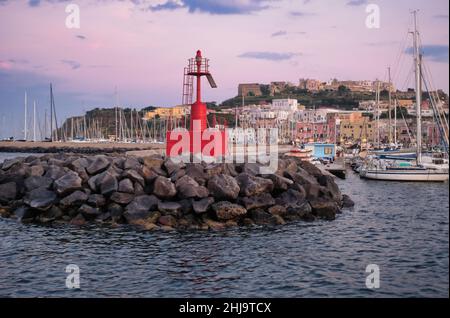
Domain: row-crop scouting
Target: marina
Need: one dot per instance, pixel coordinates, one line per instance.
(142, 158)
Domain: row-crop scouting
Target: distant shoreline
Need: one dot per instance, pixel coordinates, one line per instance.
(82, 147)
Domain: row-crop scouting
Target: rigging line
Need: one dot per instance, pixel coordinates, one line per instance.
(401, 59)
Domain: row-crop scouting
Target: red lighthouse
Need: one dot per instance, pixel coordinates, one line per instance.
(201, 139)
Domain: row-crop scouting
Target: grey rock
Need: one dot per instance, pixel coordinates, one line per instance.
(225, 210)
(96, 200)
(126, 186)
(131, 163)
(197, 172)
(203, 205)
(324, 209)
(291, 198)
(8, 192)
(89, 212)
(68, 183)
(108, 184)
(172, 208)
(55, 172)
(99, 164)
(35, 182)
(347, 202)
(251, 185)
(164, 188)
(76, 198)
(40, 199)
(122, 198)
(134, 176)
(8, 163)
(37, 170)
(263, 200)
(172, 166)
(223, 187)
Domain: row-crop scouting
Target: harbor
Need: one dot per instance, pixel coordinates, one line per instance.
(140, 157)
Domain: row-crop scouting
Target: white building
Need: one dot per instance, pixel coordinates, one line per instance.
(285, 104)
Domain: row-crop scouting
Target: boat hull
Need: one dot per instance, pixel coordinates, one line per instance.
(414, 175)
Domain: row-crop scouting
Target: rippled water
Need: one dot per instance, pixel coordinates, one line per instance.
(402, 227)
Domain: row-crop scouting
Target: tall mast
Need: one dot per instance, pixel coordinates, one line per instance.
(34, 121)
(417, 63)
(395, 122)
(25, 124)
(51, 113)
(115, 108)
(389, 107)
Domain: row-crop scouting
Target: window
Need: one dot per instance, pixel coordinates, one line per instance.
(328, 150)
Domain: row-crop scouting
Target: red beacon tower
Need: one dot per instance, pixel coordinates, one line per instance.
(201, 139)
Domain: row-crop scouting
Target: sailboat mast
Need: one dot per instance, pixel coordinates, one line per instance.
(51, 113)
(389, 107)
(25, 124)
(34, 121)
(417, 63)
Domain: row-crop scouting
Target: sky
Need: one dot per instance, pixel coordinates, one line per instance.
(140, 48)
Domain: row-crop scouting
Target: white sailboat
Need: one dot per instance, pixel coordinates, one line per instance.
(425, 169)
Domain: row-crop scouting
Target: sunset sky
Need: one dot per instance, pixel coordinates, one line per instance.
(141, 47)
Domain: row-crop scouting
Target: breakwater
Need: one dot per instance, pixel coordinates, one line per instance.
(77, 147)
(157, 193)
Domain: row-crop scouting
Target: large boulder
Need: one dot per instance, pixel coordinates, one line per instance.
(324, 209)
(332, 189)
(96, 200)
(164, 188)
(172, 208)
(131, 163)
(153, 161)
(261, 217)
(126, 186)
(8, 192)
(55, 172)
(9, 163)
(347, 202)
(223, 187)
(291, 198)
(89, 212)
(263, 200)
(280, 183)
(140, 208)
(99, 164)
(40, 199)
(108, 184)
(122, 198)
(251, 185)
(172, 166)
(37, 170)
(197, 172)
(187, 188)
(68, 183)
(74, 199)
(225, 210)
(134, 176)
(35, 182)
(203, 205)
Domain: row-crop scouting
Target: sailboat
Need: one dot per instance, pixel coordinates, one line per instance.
(425, 169)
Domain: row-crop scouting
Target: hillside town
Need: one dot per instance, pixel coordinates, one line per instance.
(297, 123)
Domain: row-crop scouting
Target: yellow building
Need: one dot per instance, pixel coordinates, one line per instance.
(357, 129)
(167, 112)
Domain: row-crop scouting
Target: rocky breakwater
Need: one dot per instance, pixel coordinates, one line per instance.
(156, 193)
